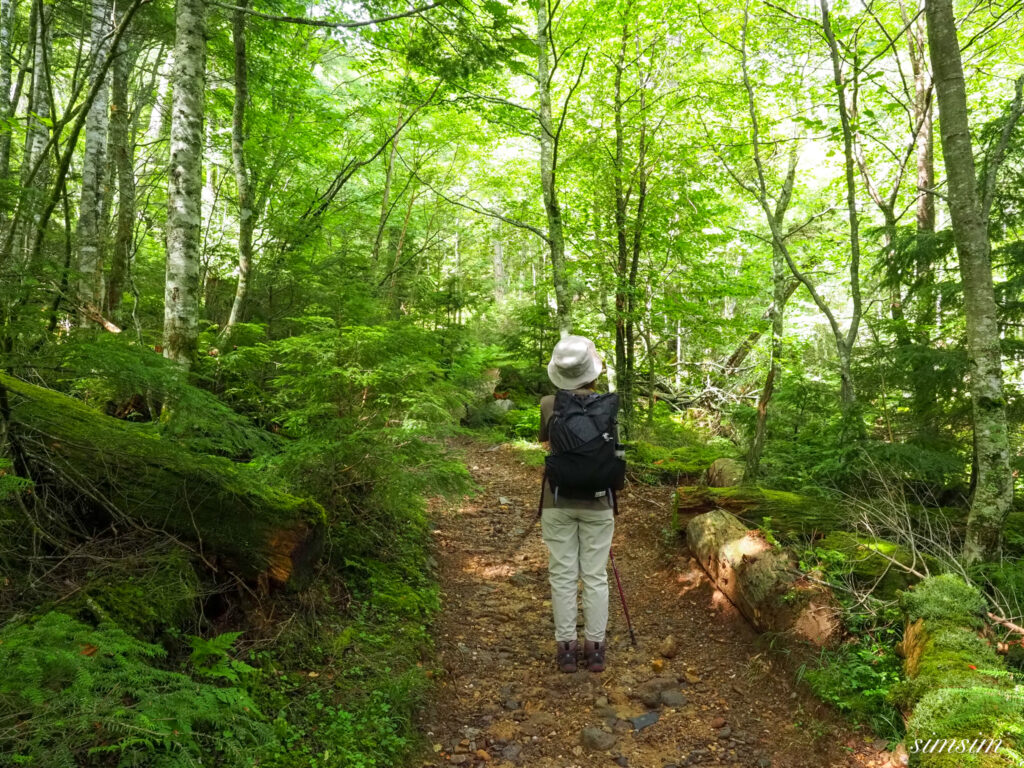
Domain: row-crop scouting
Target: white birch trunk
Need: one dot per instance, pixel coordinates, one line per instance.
(90, 253)
(181, 290)
(246, 215)
(6, 22)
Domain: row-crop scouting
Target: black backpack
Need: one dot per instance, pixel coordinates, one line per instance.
(582, 461)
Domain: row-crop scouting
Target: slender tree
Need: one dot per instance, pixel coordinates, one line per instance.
(550, 133)
(246, 215)
(90, 253)
(181, 289)
(968, 209)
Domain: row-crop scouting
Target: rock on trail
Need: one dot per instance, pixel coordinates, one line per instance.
(698, 689)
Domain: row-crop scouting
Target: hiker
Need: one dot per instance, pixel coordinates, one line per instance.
(582, 471)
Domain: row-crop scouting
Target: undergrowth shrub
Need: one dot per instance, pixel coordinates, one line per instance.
(74, 695)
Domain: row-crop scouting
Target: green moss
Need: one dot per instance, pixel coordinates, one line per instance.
(657, 464)
(144, 594)
(862, 558)
(951, 657)
(945, 598)
(791, 514)
(966, 713)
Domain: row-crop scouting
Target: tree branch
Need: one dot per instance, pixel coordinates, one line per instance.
(325, 24)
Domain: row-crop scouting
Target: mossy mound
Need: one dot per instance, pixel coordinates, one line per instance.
(652, 463)
(869, 562)
(957, 689)
(145, 594)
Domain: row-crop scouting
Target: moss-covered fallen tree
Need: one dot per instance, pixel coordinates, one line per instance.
(962, 707)
(126, 471)
(791, 514)
(760, 579)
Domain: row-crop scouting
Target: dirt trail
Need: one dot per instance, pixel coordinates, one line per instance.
(501, 701)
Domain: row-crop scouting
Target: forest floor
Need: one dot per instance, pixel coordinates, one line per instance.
(501, 701)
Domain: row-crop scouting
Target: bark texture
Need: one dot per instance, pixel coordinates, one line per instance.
(761, 581)
(223, 507)
(246, 215)
(90, 251)
(122, 146)
(548, 168)
(6, 67)
(181, 290)
(993, 493)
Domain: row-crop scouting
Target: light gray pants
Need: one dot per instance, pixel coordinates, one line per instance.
(578, 541)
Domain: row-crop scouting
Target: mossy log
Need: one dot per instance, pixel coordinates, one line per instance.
(226, 509)
(956, 688)
(791, 514)
(760, 580)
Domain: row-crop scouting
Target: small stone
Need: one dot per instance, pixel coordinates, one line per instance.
(725, 732)
(504, 501)
(459, 759)
(483, 754)
(622, 760)
(651, 697)
(645, 720)
(718, 722)
(673, 699)
(510, 704)
(607, 713)
(577, 750)
(618, 696)
(503, 731)
(657, 664)
(691, 678)
(597, 740)
(663, 683)
(622, 726)
(668, 647)
(764, 762)
(511, 752)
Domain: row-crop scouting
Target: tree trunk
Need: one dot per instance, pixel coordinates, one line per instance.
(498, 259)
(122, 144)
(845, 345)
(548, 169)
(90, 251)
(246, 214)
(994, 492)
(761, 581)
(6, 67)
(36, 132)
(780, 294)
(225, 508)
(181, 290)
(623, 374)
(385, 203)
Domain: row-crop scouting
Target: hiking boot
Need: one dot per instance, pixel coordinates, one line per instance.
(593, 655)
(566, 655)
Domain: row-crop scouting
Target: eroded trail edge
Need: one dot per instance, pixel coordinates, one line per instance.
(714, 698)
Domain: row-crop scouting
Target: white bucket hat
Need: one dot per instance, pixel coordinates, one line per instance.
(574, 362)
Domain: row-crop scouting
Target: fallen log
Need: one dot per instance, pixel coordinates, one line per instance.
(126, 470)
(760, 579)
(956, 690)
(790, 513)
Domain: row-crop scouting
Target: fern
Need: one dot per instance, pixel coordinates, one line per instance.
(71, 694)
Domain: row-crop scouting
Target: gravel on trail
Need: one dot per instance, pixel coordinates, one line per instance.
(699, 688)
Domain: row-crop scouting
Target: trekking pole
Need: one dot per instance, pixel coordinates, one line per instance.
(618, 581)
(622, 596)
